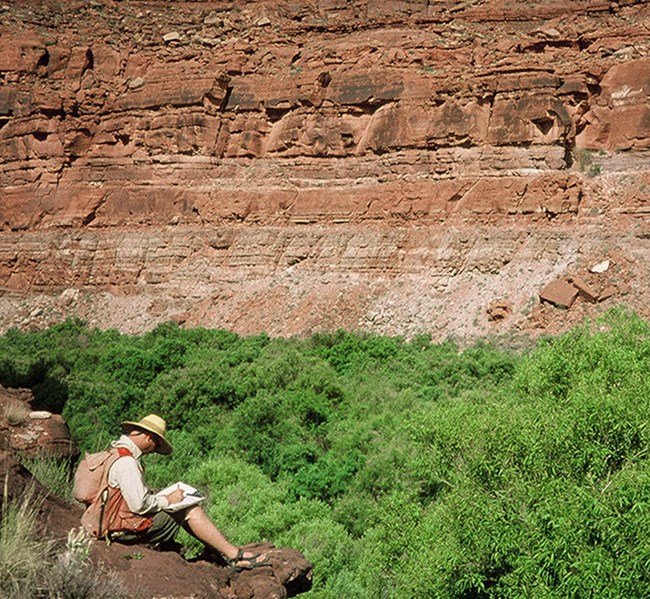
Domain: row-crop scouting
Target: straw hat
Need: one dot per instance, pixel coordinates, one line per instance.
(151, 424)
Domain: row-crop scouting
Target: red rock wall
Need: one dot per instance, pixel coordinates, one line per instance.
(287, 166)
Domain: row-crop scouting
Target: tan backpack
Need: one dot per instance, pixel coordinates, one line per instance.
(91, 474)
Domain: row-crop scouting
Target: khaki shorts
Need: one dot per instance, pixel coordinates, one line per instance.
(163, 530)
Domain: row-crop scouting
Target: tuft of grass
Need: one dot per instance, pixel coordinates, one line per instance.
(22, 555)
(73, 576)
(16, 413)
(54, 474)
(32, 567)
(585, 160)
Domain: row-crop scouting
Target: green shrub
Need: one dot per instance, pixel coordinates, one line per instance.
(326, 544)
(403, 469)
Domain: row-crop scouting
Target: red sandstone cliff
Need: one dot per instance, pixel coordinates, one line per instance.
(287, 166)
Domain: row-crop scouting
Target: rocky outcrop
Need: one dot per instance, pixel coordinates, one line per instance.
(300, 166)
(33, 433)
(141, 572)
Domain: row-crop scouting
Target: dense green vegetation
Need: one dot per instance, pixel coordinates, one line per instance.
(402, 469)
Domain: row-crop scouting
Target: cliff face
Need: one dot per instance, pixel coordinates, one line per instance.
(400, 167)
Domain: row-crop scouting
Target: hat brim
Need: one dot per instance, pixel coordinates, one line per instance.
(162, 446)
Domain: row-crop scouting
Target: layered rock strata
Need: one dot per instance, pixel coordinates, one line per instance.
(292, 167)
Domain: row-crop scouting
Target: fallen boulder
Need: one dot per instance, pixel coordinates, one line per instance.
(560, 293)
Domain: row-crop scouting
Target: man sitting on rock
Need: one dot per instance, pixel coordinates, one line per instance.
(122, 508)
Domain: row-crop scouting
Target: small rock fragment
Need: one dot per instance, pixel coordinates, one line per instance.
(551, 33)
(136, 83)
(585, 290)
(607, 293)
(40, 415)
(498, 310)
(172, 36)
(600, 267)
(559, 293)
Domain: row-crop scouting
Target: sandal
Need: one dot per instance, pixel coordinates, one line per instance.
(239, 562)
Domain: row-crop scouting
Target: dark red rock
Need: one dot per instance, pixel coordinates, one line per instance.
(560, 293)
(586, 291)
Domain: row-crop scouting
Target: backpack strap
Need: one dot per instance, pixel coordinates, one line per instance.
(122, 452)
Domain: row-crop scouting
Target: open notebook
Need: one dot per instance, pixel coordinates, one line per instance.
(192, 496)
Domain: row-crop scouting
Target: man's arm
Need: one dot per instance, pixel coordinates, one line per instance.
(125, 474)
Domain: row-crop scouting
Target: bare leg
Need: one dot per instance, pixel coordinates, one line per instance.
(206, 532)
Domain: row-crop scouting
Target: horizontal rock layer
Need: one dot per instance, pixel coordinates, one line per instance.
(298, 166)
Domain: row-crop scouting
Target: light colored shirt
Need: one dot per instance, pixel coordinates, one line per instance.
(126, 474)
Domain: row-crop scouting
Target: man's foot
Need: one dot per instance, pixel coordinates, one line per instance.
(247, 560)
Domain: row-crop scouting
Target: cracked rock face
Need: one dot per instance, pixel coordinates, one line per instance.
(298, 167)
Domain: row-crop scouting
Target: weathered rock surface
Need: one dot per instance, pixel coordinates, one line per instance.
(142, 572)
(292, 167)
(32, 433)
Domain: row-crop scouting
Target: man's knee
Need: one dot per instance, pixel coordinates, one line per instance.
(195, 514)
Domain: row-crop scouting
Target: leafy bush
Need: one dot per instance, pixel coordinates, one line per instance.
(402, 469)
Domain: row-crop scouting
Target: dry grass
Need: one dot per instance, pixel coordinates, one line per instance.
(72, 575)
(34, 568)
(22, 555)
(16, 413)
(54, 474)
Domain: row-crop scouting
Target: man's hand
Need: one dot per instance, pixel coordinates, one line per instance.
(175, 496)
